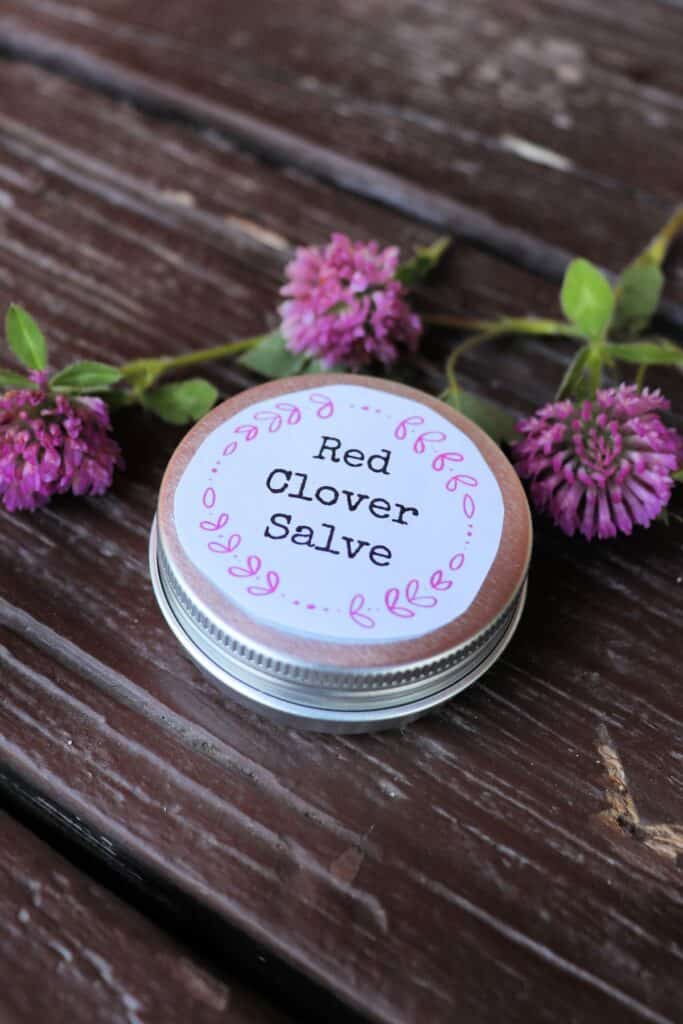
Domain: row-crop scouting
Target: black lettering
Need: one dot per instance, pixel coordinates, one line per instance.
(332, 490)
(379, 555)
(354, 457)
(331, 445)
(302, 486)
(380, 508)
(303, 535)
(403, 511)
(327, 546)
(354, 500)
(287, 473)
(352, 551)
(382, 459)
(283, 526)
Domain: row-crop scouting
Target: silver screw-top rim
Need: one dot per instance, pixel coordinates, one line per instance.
(272, 678)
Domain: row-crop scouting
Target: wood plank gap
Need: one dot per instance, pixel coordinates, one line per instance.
(282, 148)
(191, 734)
(211, 938)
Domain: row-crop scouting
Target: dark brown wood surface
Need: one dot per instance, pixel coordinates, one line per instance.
(70, 951)
(431, 108)
(514, 856)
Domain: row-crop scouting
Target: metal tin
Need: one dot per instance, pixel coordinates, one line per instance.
(323, 629)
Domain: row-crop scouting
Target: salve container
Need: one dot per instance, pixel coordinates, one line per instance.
(339, 552)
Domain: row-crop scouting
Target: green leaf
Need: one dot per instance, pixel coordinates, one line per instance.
(426, 258)
(649, 353)
(12, 381)
(498, 423)
(272, 358)
(315, 366)
(678, 476)
(25, 338)
(574, 384)
(140, 374)
(85, 377)
(583, 376)
(655, 252)
(118, 398)
(587, 298)
(637, 296)
(182, 401)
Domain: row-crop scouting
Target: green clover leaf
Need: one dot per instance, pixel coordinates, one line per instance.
(182, 401)
(587, 299)
(25, 338)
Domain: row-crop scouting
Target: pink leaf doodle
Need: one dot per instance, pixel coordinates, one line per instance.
(249, 430)
(438, 581)
(391, 599)
(356, 612)
(325, 404)
(441, 461)
(273, 419)
(457, 561)
(293, 412)
(461, 478)
(252, 567)
(272, 583)
(414, 597)
(468, 506)
(209, 498)
(230, 448)
(233, 542)
(428, 437)
(212, 527)
(401, 431)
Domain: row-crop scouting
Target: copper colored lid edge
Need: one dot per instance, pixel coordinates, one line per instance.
(499, 589)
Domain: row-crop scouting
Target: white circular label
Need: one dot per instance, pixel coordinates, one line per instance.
(342, 513)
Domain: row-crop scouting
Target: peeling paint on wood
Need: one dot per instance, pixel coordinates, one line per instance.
(665, 839)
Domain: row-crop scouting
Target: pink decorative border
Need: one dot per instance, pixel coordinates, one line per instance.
(404, 601)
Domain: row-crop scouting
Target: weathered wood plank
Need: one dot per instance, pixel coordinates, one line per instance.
(435, 834)
(435, 106)
(71, 951)
(218, 227)
(461, 868)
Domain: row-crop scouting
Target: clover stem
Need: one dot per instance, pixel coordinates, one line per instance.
(141, 374)
(656, 251)
(507, 325)
(473, 341)
(231, 348)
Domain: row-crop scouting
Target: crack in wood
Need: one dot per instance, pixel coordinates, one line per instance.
(666, 840)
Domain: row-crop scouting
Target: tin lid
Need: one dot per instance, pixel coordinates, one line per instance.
(341, 547)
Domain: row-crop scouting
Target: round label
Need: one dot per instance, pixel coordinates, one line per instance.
(346, 514)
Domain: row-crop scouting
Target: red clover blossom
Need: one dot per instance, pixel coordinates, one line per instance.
(600, 466)
(344, 305)
(50, 445)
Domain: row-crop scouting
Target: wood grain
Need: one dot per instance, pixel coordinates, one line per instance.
(70, 951)
(431, 109)
(163, 228)
(464, 868)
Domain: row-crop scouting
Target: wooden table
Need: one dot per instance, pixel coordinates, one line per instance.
(513, 857)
